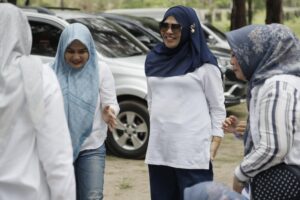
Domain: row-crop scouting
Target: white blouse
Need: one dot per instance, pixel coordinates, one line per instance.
(185, 112)
(39, 166)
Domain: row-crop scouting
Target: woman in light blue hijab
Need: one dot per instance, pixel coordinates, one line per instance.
(268, 57)
(90, 105)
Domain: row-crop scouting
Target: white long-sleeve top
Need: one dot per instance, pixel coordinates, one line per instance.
(274, 126)
(185, 112)
(39, 166)
(106, 97)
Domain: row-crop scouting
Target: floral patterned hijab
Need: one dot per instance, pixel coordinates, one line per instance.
(264, 51)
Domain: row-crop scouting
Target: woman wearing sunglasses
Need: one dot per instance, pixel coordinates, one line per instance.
(186, 106)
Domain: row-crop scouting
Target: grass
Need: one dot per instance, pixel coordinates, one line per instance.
(259, 18)
(231, 150)
(125, 184)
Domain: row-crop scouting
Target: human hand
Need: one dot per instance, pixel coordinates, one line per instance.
(241, 127)
(237, 185)
(109, 117)
(215, 143)
(233, 125)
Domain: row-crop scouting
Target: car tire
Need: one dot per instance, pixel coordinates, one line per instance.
(130, 138)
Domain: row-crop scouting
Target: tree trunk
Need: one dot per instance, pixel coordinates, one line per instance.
(274, 11)
(238, 14)
(12, 1)
(250, 12)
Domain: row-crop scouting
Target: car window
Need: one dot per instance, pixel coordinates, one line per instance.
(150, 24)
(45, 38)
(134, 30)
(148, 38)
(109, 39)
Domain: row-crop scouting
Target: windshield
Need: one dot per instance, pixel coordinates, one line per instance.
(149, 23)
(110, 39)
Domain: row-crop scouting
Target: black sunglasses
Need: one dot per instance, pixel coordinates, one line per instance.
(164, 27)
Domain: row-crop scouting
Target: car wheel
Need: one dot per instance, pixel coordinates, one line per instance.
(130, 138)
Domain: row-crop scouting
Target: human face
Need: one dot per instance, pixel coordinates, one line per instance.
(171, 34)
(76, 54)
(237, 68)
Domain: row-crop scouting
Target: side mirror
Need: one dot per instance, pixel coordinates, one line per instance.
(211, 40)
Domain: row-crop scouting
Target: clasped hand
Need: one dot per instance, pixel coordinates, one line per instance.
(109, 117)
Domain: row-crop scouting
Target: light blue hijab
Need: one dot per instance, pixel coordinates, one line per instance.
(80, 87)
(264, 51)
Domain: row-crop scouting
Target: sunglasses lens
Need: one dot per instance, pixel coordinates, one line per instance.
(163, 26)
(174, 27)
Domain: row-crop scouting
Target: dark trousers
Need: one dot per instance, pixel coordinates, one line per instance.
(168, 183)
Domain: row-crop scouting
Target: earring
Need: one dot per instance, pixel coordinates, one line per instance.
(193, 28)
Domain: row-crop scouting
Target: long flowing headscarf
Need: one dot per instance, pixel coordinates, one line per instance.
(80, 87)
(262, 52)
(191, 53)
(21, 83)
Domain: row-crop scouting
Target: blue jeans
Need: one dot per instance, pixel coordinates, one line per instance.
(89, 174)
(168, 183)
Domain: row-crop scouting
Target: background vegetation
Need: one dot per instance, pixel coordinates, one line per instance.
(291, 17)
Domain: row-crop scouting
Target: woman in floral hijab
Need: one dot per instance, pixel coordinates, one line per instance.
(268, 57)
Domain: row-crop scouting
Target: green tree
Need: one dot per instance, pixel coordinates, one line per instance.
(250, 11)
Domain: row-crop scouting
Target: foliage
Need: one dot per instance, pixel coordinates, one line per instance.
(96, 5)
(223, 4)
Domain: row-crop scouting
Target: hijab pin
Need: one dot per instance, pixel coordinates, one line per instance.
(193, 28)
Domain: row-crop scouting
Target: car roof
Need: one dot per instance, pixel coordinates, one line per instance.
(31, 14)
(71, 14)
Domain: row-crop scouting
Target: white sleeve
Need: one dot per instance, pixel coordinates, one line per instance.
(54, 142)
(214, 92)
(149, 96)
(108, 95)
